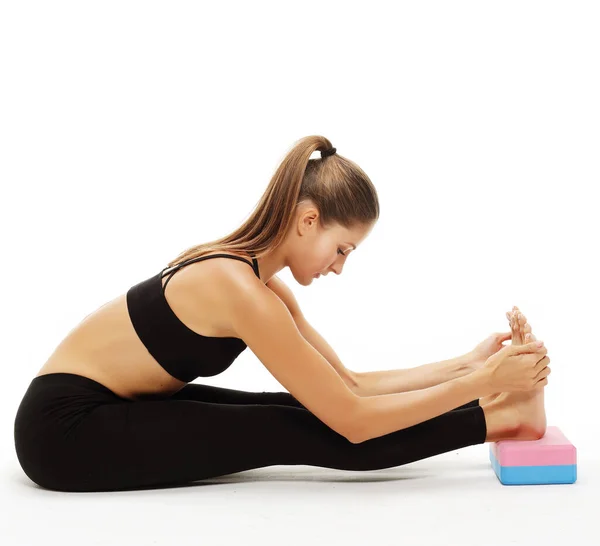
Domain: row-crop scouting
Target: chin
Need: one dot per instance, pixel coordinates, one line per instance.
(305, 280)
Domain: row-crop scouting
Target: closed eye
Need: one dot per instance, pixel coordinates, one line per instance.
(340, 252)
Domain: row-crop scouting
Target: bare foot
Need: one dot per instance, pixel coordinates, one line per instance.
(518, 325)
(529, 413)
(529, 410)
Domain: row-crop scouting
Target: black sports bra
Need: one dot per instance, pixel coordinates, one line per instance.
(183, 353)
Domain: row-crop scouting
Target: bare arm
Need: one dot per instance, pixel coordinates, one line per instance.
(383, 406)
(265, 324)
(411, 379)
(386, 413)
(311, 335)
(372, 383)
(320, 344)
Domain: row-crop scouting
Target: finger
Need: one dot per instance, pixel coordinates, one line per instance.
(541, 363)
(544, 372)
(532, 347)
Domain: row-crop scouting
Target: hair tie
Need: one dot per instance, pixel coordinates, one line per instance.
(326, 153)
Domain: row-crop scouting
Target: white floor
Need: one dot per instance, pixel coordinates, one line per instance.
(452, 498)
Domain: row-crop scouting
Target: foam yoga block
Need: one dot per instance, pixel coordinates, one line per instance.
(551, 459)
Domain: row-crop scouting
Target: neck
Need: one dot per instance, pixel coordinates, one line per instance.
(270, 264)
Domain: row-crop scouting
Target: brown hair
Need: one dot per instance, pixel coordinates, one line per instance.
(338, 187)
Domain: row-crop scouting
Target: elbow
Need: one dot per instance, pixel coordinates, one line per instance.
(353, 439)
(356, 436)
(354, 430)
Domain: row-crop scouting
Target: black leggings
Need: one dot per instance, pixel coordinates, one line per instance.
(74, 434)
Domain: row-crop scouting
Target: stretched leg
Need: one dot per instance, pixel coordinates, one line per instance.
(168, 442)
(96, 441)
(220, 395)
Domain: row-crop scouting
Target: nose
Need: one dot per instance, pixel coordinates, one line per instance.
(337, 269)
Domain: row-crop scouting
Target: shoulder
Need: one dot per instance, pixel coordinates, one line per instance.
(232, 274)
(285, 294)
(246, 297)
(240, 285)
(238, 280)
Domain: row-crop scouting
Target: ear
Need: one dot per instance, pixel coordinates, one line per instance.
(308, 219)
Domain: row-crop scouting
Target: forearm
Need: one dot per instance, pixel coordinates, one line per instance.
(410, 379)
(380, 415)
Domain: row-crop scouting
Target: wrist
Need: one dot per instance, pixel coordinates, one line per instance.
(473, 362)
(480, 381)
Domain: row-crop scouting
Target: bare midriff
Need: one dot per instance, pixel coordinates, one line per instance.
(105, 347)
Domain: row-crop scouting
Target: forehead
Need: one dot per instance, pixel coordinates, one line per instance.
(353, 235)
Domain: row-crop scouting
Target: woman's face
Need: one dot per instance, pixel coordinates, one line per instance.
(318, 250)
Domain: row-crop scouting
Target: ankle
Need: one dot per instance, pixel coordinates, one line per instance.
(502, 421)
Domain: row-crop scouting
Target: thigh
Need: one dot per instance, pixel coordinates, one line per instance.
(133, 445)
(221, 395)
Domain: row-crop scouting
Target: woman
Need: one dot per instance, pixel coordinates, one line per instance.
(113, 407)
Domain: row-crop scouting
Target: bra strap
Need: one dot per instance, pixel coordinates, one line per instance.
(176, 268)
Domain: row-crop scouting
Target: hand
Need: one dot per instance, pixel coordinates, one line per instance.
(488, 347)
(517, 368)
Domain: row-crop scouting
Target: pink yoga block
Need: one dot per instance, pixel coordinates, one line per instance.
(553, 449)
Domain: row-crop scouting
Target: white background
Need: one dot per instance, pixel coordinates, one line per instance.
(130, 131)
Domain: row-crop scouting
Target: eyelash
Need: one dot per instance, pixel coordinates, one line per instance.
(340, 252)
